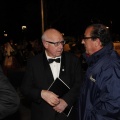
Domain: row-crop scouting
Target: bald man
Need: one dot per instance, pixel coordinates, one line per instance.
(40, 73)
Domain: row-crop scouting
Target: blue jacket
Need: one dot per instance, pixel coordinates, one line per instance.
(100, 94)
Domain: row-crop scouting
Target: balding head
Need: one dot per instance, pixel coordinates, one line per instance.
(53, 42)
(52, 35)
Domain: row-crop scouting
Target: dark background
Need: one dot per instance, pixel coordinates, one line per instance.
(69, 16)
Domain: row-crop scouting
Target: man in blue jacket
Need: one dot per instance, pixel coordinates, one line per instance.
(100, 93)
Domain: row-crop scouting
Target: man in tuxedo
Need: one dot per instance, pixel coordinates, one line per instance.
(9, 99)
(41, 71)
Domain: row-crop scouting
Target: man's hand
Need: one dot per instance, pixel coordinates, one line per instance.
(61, 106)
(50, 97)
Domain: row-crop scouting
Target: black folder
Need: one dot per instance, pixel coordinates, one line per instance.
(59, 87)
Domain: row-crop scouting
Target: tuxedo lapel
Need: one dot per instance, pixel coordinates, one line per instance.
(63, 67)
(48, 72)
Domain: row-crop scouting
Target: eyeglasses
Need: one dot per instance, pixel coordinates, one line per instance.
(85, 38)
(57, 43)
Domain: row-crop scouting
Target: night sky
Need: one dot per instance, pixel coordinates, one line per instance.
(69, 16)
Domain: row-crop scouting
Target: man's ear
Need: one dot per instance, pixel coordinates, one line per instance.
(98, 42)
(45, 44)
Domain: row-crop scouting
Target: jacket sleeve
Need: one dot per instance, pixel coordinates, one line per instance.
(107, 105)
(27, 87)
(9, 99)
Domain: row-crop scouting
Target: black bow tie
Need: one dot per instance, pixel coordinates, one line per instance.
(52, 60)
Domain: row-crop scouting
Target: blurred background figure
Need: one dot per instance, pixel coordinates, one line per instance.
(11, 66)
(66, 47)
(8, 50)
(10, 62)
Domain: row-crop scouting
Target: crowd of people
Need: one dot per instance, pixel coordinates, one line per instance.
(94, 87)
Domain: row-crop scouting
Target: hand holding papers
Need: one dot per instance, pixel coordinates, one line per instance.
(60, 88)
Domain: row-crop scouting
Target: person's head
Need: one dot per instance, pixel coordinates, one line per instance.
(96, 36)
(53, 42)
(8, 47)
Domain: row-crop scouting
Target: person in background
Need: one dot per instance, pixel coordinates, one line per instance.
(40, 74)
(100, 93)
(10, 61)
(9, 99)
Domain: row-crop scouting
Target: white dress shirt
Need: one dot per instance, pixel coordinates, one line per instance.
(55, 67)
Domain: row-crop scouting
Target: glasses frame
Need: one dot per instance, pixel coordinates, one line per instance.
(57, 43)
(85, 38)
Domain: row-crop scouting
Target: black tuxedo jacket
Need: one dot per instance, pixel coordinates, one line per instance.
(39, 76)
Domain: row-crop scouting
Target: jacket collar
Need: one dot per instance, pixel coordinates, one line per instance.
(99, 54)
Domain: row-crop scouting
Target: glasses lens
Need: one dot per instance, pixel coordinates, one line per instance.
(92, 37)
(58, 43)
